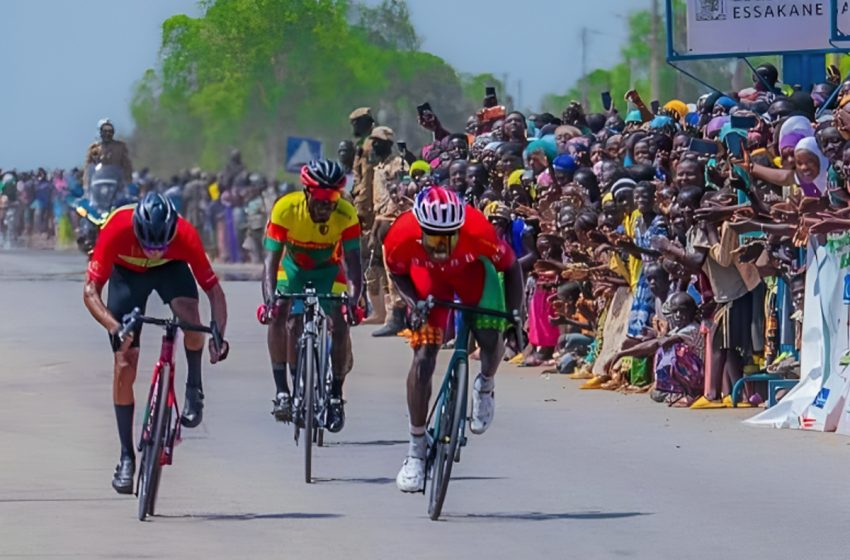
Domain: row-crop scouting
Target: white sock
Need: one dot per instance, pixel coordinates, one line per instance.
(484, 384)
(418, 446)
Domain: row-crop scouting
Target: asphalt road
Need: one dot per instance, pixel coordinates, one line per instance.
(561, 474)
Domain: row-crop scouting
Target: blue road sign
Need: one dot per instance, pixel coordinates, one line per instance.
(300, 150)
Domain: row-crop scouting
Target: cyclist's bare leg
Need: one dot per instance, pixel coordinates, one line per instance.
(419, 383)
(277, 338)
(187, 310)
(126, 363)
(483, 406)
(341, 356)
(492, 345)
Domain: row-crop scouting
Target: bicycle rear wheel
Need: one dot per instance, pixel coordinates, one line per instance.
(309, 348)
(150, 465)
(446, 442)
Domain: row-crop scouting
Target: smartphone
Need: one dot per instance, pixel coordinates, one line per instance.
(705, 147)
(654, 106)
(736, 144)
(424, 107)
(402, 146)
(490, 99)
(744, 122)
(606, 100)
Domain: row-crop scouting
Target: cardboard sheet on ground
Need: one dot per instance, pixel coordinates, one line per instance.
(817, 402)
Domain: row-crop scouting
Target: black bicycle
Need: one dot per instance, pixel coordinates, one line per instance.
(313, 374)
(159, 434)
(447, 419)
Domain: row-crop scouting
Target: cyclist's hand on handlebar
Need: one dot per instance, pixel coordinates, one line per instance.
(419, 315)
(267, 312)
(218, 353)
(126, 341)
(355, 314)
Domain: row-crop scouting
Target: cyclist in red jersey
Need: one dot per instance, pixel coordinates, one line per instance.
(140, 249)
(444, 248)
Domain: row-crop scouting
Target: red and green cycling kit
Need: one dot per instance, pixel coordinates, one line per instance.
(312, 252)
(117, 245)
(469, 273)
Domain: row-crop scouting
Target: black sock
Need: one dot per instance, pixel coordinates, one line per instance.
(281, 381)
(193, 360)
(336, 387)
(124, 416)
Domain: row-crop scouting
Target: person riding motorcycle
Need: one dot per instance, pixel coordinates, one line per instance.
(108, 152)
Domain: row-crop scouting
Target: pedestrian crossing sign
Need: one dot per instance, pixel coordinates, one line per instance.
(300, 150)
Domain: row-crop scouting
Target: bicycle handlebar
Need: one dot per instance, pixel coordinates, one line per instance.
(133, 319)
(514, 316)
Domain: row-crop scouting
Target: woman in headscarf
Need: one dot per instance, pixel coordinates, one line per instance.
(810, 167)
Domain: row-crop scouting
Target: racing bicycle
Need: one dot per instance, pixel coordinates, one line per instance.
(161, 423)
(446, 431)
(313, 374)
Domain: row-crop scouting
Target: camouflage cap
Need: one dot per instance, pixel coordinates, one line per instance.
(360, 112)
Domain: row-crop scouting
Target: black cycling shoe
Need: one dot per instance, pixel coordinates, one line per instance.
(125, 470)
(282, 410)
(193, 408)
(336, 415)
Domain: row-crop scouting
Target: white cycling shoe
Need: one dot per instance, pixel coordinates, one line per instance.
(411, 477)
(483, 404)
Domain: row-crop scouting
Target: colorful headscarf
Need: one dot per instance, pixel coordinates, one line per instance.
(818, 186)
(794, 130)
(420, 165)
(515, 178)
(565, 162)
(678, 107)
(546, 144)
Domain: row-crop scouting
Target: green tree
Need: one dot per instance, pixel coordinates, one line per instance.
(248, 73)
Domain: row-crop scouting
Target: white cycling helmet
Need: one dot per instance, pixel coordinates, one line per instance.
(439, 210)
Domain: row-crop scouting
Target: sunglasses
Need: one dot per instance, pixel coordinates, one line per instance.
(325, 195)
(154, 248)
(435, 242)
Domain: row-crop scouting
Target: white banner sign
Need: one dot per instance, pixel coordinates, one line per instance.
(749, 26)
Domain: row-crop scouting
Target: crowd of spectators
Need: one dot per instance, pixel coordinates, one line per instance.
(663, 247)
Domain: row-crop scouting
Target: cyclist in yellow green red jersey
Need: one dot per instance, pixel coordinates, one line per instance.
(312, 236)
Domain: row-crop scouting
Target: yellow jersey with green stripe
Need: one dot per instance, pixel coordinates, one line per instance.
(306, 244)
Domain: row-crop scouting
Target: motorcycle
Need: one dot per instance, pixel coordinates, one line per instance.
(105, 192)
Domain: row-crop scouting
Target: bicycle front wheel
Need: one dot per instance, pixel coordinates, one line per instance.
(309, 362)
(446, 442)
(151, 447)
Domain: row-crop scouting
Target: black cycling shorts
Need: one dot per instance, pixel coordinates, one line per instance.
(129, 289)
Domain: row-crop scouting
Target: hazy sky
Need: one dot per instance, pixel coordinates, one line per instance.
(67, 64)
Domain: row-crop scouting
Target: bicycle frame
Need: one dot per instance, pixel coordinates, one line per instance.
(166, 361)
(461, 353)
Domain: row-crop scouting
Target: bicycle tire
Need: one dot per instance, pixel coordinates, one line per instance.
(150, 466)
(447, 441)
(157, 475)
(309, 412)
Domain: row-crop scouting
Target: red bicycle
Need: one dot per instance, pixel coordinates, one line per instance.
(161, 423)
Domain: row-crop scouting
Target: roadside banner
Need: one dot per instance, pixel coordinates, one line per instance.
(817, 401)
(732, 27)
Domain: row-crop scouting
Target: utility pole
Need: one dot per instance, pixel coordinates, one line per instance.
(653, 60)
(584, 41)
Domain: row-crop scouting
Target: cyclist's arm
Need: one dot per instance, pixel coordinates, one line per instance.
(97, 274)
(273, 244)
(271, 262)
(218, 306)
(93, 300)
(354, 271)
(406, 289)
